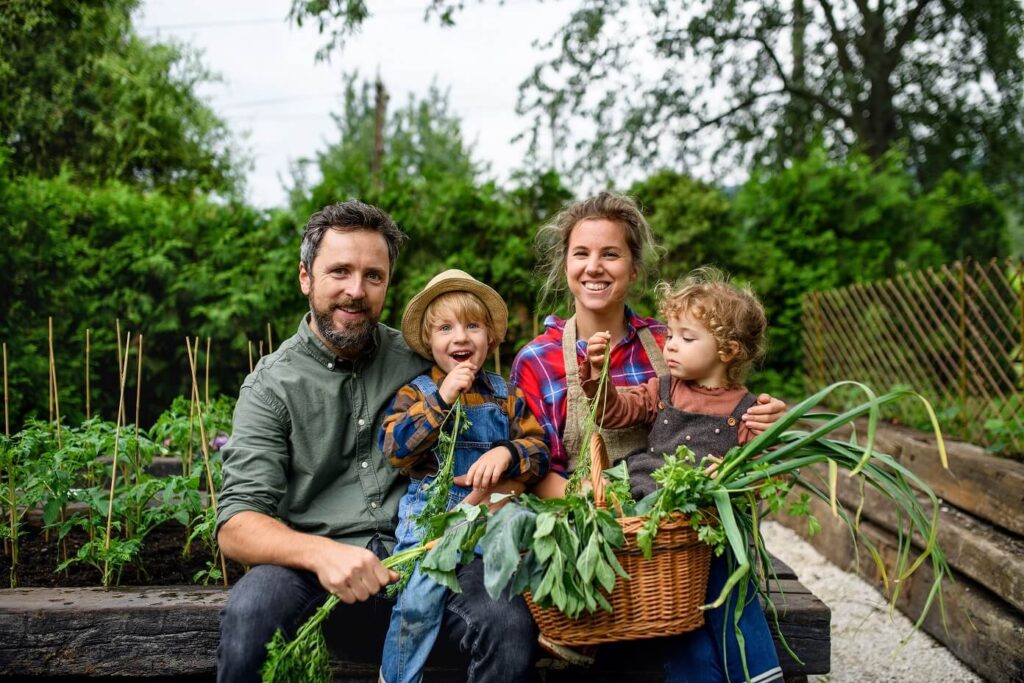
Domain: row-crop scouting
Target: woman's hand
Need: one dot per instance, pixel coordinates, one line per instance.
(764, 413)
(597, 348)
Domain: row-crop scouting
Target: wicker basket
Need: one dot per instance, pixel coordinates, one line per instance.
(663, 594)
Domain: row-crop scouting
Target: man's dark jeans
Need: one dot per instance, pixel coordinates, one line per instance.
(496, 640)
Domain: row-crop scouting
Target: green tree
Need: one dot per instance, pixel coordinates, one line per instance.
(657, 80)
(80, 90)
(431, 185)
(166, 266)
(821, 224)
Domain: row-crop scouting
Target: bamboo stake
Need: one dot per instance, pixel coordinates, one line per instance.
(11, 488)
(117, 333)
(123, 370)
(270, 339)
(193, 394)
(206, 385)
(497, 361)
(7, 421)
(53, 382)
(260, 353)
(88, 404)
(138, 404)
(206, 456)
(249, 342)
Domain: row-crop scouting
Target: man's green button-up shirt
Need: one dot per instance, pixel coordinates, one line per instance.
(303, 444)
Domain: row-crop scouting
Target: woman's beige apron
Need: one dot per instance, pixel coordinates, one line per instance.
(620, 442)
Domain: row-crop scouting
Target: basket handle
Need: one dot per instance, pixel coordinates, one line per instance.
(599, 462)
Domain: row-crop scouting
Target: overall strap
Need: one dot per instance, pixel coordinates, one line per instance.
(665, 389)
(571, 434)
(743, 406)
(498, 385)
(425, 384)
(653, 351)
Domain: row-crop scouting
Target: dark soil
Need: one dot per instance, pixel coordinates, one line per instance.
(160, 563)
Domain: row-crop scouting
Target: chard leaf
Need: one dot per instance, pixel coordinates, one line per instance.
(588, 560)
(502, 544)
(605, 575)
(545, 524)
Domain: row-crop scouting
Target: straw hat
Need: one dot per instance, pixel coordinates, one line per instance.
(451, 281)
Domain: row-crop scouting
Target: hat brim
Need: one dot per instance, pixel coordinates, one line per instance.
(412, 319)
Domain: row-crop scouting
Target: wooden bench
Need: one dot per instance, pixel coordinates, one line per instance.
(170, 633)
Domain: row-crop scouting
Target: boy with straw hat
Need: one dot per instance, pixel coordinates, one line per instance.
(456, 321)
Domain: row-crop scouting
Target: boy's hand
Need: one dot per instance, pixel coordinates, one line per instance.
(489, 468)
(597, 347)
(458, 380)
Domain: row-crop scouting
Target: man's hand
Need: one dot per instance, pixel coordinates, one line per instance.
(458, 380)
(353, 574)
(597, 348)
(489, 468)
(764, 413)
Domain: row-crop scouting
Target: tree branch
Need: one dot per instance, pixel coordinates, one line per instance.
(906, 31)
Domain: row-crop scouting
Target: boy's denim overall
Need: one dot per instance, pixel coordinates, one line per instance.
(416, 617)
(710, 654)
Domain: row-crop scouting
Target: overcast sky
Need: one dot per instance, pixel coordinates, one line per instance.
(278, 100)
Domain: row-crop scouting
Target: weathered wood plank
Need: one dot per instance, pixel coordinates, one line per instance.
(982, 631)
(172, 631)
(981, 484)
(974, 548)
(95, 632)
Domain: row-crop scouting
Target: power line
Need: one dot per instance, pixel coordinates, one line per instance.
(213, 24)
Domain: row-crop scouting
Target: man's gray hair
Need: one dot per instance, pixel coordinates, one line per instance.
(348, 216)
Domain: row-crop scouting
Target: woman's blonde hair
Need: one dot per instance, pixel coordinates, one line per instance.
(464, 307)
(733, 315)
(553, 237)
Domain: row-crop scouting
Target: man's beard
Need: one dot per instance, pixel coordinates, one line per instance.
(351, 338)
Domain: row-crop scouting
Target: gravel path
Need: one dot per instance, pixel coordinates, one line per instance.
(864, 637)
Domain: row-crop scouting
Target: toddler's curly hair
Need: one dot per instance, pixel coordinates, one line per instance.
(733, 314)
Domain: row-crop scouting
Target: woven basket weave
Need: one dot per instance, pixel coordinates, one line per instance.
(663, 595)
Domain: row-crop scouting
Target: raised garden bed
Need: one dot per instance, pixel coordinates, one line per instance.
(162, 633)
(980, 530)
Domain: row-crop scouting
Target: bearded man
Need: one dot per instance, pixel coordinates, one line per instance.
(308, 499)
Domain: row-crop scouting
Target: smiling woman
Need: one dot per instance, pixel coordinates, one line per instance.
(597, 248)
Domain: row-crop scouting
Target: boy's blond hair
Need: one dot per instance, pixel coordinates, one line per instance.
(464, 307)
(733, 315)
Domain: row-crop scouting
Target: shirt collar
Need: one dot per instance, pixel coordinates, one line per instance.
(325, 356)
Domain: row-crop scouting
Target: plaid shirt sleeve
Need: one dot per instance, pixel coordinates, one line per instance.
(527, 441)
(410, 428)
(533, 372)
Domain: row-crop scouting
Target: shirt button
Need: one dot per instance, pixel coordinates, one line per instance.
(330, 366)
(687, 437)
(365, 464)
(373, 505)
(666, 421)
(718, 431)
(361, 422)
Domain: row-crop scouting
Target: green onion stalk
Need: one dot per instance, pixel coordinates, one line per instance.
(306, 657)
(751, 474)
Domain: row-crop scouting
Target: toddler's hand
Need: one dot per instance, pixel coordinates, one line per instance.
(597, 347)
(458, 380)
(489, 468)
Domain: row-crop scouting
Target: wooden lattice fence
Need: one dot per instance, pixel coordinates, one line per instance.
(953, 334)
